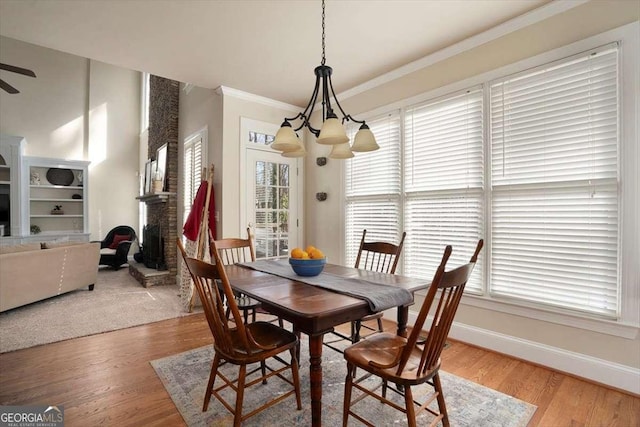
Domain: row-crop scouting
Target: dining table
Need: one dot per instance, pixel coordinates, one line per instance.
(315, 310)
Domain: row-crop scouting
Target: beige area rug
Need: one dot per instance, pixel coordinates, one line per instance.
(118, 301)
(185, 376)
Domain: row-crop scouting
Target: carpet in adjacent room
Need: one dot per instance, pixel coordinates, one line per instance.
(118, 301)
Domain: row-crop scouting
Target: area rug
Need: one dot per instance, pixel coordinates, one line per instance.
(185, 377)
(118, 301)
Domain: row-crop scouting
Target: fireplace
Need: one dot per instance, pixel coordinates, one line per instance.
(159, 264)
(153, 248)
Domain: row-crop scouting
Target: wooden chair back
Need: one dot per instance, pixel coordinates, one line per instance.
(450, 285)
(382, 257)
(235, 250)
(213, 287)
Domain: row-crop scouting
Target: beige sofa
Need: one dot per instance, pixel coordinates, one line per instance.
(29, 273)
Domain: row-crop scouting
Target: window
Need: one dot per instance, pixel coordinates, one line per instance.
(145, 102)
(554, 174)
(194, 148)
(443, 177)
(373, 189)
(541, 162)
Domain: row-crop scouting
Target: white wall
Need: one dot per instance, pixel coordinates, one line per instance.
(78, 109)
(200, 108)
(236, 105)
(114, 126)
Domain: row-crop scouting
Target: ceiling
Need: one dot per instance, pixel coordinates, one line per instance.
(268, 48)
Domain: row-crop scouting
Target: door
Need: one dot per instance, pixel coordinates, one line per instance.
(272, 196)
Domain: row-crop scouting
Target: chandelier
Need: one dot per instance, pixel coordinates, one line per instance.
(332, 131)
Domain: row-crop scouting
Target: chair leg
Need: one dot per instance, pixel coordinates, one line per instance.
(296, 377)
(237, 416)
(348, 384)
(380, 329)
(253, 315)
(411, 410)
(263, 368)
(355, 333)
(280, 322)
(441, 404)
(212, 379)
(298, 334)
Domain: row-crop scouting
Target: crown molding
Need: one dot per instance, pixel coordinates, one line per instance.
(236, 93)
(515, 24)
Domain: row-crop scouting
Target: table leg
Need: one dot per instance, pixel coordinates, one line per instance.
(315, 374)
(403, 317)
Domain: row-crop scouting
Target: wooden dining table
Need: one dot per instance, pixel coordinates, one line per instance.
(315, 311)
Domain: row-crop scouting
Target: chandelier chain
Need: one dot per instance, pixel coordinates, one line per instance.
(323, 57)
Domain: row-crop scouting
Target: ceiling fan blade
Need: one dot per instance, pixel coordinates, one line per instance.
(18, 70)
(8, 88)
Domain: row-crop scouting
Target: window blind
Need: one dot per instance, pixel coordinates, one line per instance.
(372, 188)
(192, 173)
(554, 172)
(444, 182)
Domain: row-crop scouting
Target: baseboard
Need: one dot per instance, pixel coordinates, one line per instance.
(601, 371)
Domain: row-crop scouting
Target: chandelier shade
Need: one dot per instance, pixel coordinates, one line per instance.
(286, 139)
(341, 151)
(364, 140)
(332, 131)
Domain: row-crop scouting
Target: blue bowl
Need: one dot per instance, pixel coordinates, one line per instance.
(307, 267)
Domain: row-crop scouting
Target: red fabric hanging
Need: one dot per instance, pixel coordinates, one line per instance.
(192, 224)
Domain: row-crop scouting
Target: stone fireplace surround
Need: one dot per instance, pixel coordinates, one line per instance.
(162, 209)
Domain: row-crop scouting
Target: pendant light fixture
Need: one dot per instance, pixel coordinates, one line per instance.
(332, 131)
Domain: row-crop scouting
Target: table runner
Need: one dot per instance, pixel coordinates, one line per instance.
(379, 296)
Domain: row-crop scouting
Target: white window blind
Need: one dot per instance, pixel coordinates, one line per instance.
(372, 188)
(554, 172)
(443, 169)
(192, 172)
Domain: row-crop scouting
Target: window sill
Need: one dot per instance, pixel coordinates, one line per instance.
(609, 327)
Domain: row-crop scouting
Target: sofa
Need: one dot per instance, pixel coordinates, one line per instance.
(34, 271)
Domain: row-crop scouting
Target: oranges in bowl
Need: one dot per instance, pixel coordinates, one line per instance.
(307, 262)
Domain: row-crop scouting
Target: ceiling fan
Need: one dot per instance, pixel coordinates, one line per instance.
(6, 86)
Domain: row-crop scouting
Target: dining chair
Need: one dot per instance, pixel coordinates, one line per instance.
(233, 251)
(381, 257)
(241, 345)
(410, 361)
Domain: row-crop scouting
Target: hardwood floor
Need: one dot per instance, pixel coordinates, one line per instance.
(107, 380)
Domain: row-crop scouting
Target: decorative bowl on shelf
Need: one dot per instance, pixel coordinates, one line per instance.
(307, 267)
(58, 176)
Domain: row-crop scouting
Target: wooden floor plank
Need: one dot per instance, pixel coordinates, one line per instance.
(106, 379)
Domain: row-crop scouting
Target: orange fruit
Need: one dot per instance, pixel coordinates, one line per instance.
(309, 249)
(297, 253)
(316, 254)
(305, 255)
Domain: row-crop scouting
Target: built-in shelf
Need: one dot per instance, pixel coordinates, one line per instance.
(153, 198)
(55, 184)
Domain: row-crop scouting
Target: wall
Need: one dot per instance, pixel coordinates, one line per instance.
(114, 110)
(78, 109)
(235, 106)
(562, 341)
(200, 108)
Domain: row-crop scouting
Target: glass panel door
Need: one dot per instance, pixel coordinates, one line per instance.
(271, 202)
